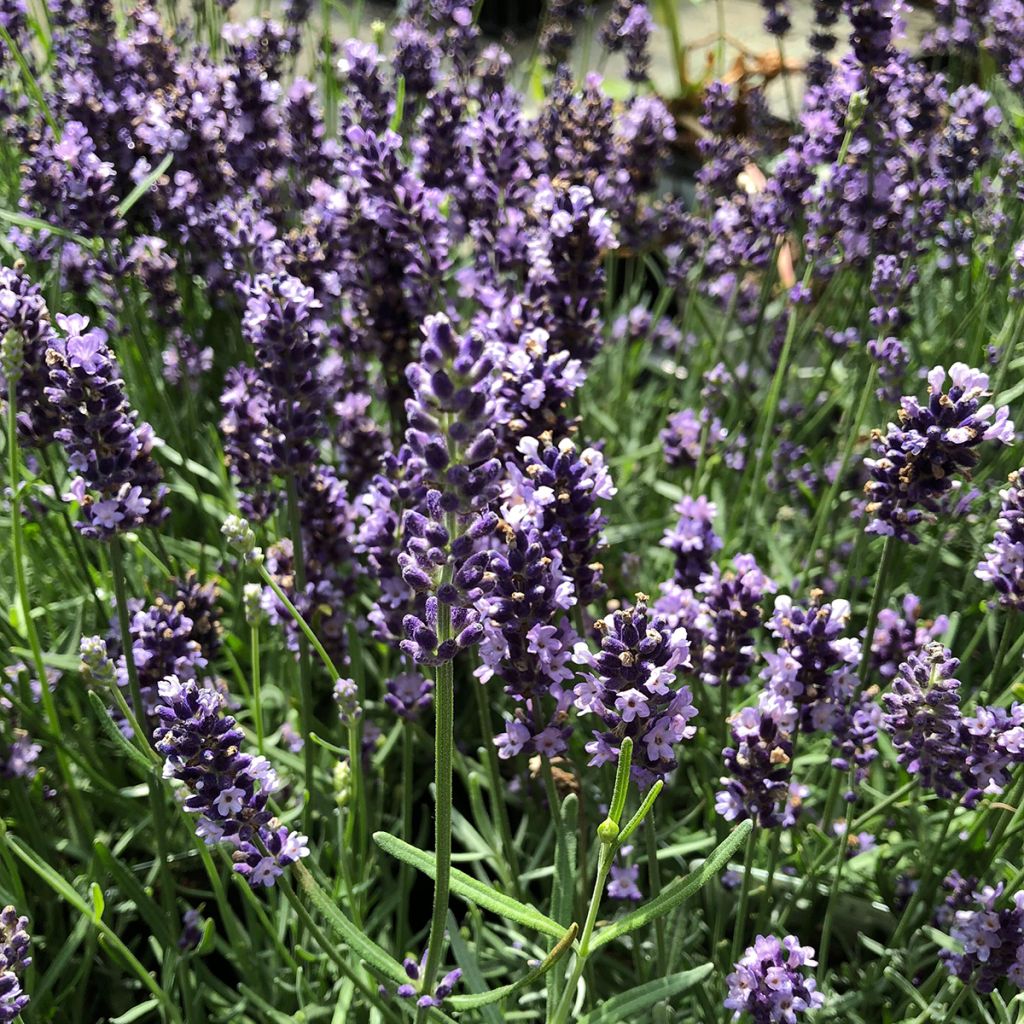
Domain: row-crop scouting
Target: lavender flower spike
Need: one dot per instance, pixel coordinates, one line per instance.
(933, 443)
(14, 958)
(768, 981)
(117, 483)
(1003, 565)
(228, 790)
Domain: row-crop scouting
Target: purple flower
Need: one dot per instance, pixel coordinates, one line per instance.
(23, 313)
(558, 489)
(14, 959)
(730, 612)
(623, 882)
(693, 539)
(1003, 565)
(897, 637)
(934, 443)
(227, 789)
(118, 483)
(759, 766)
(565, 280)
(631, 684)
(769, 981)
(413, 988)
(688, 434)
(922, 715)
(191, 930)
(628, 29)
(408, 694)
(991, 939)
(528, 641)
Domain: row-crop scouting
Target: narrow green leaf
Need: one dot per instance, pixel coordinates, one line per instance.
(108, 938)
(98, 903)
(364, 947)
(629, 1004)
(645, 808)
(30, 81)
(144, 186)
(396, 117)
(131, 889)
(472, 1002)
(111, 731)
(618, 804)
(472, 976)
(23, 220)
(136, 1012)
(676, 892)
(563, 888)
(470, 889)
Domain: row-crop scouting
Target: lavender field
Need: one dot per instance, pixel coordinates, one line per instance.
(511, 515)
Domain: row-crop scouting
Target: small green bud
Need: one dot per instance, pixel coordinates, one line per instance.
(12, 355)
(96, 665)
(607, 831)
(342, 783)
(251, 594)
(856, 109)
(239, 535)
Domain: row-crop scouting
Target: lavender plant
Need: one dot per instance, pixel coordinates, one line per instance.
(357, 391)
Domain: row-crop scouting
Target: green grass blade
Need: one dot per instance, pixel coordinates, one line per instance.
(629, 1004)
(470, 889)
(677, 892)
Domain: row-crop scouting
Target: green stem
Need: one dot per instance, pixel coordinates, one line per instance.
(405, 870)
(499, 809)
(850, 432)
(654, 884)
(842, 841)
(305, 668)
(78, 816)
(331, 949)
(877, 597)
(603, 867)
(124, 625)
(741, 912)
(143, 733)
(257, 699)
(444, 741)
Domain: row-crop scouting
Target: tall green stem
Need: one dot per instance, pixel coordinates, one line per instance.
(604, 864)
(499, 809)
(257, 696)
(444, 741)
(305, 668)
(654, 883)
(741, 910)
(78, 815)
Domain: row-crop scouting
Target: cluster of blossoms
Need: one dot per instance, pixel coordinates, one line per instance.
(689, 435)
(14, 959)
(730, 613)
(760, 769)
(452, 454)
(898, 636)
(227, 789)
(693, 540)
(117, 481)
(934, 443)
(1003, 565)
(27, 333)
(769, 981)
(955, 755)
(991, 939)
(631, 684)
